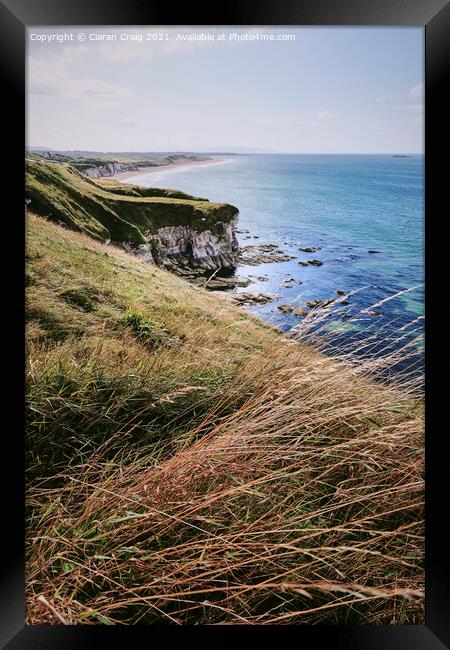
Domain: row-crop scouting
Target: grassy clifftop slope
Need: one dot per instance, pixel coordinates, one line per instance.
(84, 161)
(189, 465)
(114, 211)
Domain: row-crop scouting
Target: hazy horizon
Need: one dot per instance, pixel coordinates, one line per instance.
(217, 151)
(328, 91)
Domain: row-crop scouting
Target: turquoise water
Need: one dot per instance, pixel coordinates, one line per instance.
(347, 205)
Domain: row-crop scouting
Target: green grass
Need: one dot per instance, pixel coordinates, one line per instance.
(114, 211)
(187, 464)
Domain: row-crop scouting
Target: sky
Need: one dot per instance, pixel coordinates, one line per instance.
(284, 89)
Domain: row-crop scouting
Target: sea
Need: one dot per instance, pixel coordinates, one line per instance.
(365, 216)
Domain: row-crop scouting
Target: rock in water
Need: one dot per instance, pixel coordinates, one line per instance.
(247, 298)
(262, 254)
(285, 309)
(310, 263)
(314, 304)
(288, 309)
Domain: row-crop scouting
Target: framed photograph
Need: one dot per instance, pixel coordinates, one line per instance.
(231, 240)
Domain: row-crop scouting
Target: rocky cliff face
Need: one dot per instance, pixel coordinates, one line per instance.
(183, 248)
(108, 169)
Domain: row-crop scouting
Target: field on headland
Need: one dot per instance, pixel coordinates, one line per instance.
(188, 464)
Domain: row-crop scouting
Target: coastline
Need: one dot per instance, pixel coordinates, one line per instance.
(303, 266)
(172, 167)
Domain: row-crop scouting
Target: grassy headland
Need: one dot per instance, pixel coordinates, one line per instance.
(187, 463)
(114, 211)
(86, 160)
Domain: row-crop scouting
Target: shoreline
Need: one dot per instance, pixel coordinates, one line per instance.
(172, 167)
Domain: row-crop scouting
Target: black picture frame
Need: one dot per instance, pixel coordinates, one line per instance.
(434, 17)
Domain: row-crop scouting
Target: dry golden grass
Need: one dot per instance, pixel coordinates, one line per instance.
(189, 465)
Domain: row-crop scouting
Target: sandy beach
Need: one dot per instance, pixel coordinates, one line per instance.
(173, 167)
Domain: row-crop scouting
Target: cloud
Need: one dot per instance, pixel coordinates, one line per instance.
(401, 102)
(126, 53)
(325, 115)
(80, 89)
(417, 91)
(53, 77)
